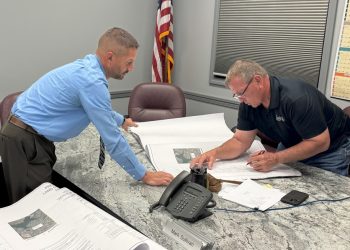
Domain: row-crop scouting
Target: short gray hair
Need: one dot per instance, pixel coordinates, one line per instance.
(245, 69)
(117, 37)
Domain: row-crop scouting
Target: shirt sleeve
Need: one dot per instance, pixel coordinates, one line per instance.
(307, 116)
(118, 117)
(96, 102)
(244, 122)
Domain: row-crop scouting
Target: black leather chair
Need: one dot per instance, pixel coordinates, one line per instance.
(5, 110)
(156, 101)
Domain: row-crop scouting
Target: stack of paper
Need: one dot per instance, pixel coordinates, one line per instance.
(171, 144)
(53, 218)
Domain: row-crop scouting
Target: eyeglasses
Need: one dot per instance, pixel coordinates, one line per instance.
(238, 96)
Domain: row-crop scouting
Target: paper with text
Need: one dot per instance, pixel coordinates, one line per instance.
(201, 128)
(162, 138)
(251, 194)
(52, 218)
(163, 159)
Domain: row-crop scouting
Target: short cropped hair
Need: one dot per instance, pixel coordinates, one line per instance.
(117, 38)
(245, 69)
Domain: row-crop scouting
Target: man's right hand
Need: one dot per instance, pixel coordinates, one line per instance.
(208, 158)
(159, 178)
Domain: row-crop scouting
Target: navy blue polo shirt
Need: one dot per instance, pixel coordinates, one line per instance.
(297, 111)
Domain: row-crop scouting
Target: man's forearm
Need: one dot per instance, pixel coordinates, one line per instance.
(301, 151)
(230, 149)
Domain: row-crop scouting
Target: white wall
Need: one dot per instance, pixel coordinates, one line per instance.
(193, 36)
(193, 31)
(39, 35)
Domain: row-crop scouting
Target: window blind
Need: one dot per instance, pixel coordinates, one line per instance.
(285, 37)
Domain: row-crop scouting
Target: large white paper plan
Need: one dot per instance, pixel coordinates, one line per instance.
(51, 218)
(201, 128)
(251, 194)
(171, 144)
(163, 158)
(238, 169)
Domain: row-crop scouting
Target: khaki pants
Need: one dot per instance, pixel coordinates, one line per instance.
(27, 160)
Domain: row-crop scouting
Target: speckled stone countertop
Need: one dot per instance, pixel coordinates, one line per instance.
(322, 225)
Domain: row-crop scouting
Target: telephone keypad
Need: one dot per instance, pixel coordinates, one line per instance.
(189, 201)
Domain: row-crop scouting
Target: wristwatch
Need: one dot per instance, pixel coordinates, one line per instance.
(125, 117)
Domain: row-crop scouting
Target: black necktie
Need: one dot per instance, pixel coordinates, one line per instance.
(101, 159)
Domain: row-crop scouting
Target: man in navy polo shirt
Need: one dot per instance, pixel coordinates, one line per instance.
(308, 127)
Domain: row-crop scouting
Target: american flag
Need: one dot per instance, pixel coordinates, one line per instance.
(163, 48)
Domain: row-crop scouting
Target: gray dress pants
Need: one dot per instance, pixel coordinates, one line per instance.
(27, 160)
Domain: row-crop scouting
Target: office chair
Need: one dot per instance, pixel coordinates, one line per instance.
(6, 105)
(156, 101)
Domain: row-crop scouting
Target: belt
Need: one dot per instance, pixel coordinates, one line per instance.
(17, 122)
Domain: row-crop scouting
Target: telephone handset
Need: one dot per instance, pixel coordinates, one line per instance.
(185, 200)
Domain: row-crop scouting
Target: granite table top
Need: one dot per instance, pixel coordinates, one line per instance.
(321, 225)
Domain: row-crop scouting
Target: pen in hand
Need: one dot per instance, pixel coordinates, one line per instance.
(260, 153)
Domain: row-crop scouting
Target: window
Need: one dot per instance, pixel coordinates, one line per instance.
(288, 38)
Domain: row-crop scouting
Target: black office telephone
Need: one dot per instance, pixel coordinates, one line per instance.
(186, 200)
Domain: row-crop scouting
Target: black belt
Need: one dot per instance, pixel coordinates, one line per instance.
(17, 122)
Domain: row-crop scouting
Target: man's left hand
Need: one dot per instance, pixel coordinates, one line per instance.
(159, 178)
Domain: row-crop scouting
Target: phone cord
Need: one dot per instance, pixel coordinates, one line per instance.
(155, 205)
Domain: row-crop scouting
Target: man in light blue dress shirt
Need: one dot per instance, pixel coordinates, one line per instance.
(60, 105)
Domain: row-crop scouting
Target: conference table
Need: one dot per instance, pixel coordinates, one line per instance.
(316, 225)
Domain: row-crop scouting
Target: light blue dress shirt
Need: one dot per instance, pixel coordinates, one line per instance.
(64, 101)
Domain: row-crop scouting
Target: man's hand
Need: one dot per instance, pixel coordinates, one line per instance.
(159, 178)
(263, 162)
(208, 158)
(128, 123)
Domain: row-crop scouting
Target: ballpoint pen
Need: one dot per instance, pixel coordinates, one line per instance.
(260, 153)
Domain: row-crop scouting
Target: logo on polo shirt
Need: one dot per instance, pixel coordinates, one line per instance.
(280, 118)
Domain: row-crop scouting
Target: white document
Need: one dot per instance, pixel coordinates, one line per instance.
(171, 144)
(251, 194)
(52, 218)
(162, 138)
(163, 156)
(201, 128)
(238, 169)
